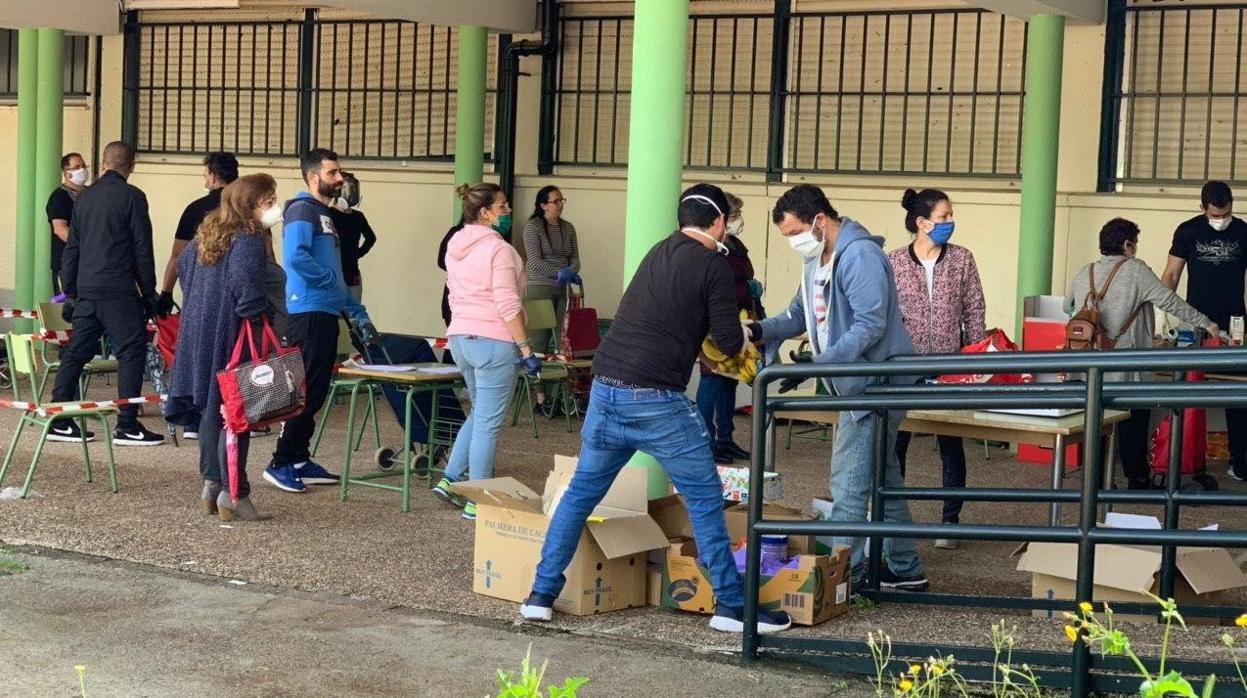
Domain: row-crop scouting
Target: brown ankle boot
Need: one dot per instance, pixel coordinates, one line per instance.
(212, 488)
(243, 509)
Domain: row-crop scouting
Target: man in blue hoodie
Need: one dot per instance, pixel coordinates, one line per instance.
(316, 294)
(847, 305)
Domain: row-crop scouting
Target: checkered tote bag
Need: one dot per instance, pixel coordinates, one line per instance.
(268, 388)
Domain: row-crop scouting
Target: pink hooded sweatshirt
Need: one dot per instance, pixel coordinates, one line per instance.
(486, 280)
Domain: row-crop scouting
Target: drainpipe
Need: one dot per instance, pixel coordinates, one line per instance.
(548, 49)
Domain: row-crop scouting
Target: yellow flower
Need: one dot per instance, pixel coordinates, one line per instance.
(906, 685)
(1241, 621)
(915, 669)
(1071, 633)
(937, 669)
(1085, 607)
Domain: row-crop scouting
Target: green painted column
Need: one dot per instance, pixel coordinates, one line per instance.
(470, 110)
(1041, 130)
(27, 208)
(655, 143)
(49, 142)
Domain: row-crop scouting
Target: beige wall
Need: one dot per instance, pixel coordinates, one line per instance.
(407, 205)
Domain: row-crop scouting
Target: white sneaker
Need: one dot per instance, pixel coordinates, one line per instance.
(538, 608)
(190, 435)
(946, 544)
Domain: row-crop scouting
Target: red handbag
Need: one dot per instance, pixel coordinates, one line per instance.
(269, 388)
(996, 340)
(580, 336)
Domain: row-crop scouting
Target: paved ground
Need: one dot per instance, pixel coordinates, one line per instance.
(140, 631)
(366, 548)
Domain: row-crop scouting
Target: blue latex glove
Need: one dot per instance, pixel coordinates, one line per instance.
(532, 365)
(367, 331)
(565, 276)
(755, 289)
(576, 280)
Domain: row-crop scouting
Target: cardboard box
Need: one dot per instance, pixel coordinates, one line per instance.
(653, 585)
(816, 591)
(738, 523)
(822, 512)
(671, 515)
(1124, 573)
(608, 570)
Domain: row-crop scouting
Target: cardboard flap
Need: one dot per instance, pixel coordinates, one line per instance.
(1209, 569)
(506, 492)
(627, 535)
(672, 516)
(628, 492)
(1117, 566)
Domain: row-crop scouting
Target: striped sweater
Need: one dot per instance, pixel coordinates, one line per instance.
(547, 249)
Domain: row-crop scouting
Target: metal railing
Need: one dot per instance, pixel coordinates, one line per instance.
(1077, 670)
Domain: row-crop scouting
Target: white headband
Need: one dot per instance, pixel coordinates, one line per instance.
(703, 198)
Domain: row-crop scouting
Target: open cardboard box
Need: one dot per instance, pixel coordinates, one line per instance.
(1126, 572)
(606, 573)
(816, 591)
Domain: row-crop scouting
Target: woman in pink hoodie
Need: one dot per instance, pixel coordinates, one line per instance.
(487, 331)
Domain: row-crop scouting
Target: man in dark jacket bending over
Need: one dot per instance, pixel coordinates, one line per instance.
(110, 287)
(681, 292)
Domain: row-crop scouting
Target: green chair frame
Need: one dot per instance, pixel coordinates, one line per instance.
(51, 320)
(540, 315)
(23, 362)
(350, 387)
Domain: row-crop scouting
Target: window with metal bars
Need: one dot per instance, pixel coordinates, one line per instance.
(386, 89)
(1182, 97)
(379, 89)
(77, 61)
(728, 95)
(906, 92)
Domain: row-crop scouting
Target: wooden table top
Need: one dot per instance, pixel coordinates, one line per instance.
(413, 376)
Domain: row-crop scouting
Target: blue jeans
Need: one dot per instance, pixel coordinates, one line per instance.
(852, 467)
(716, 399)
(664, 424)
(488, 367)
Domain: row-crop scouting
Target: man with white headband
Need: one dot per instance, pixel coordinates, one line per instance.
(847, 305)
(681, 292)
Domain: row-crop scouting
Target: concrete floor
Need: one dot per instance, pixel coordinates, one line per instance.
(366, 548)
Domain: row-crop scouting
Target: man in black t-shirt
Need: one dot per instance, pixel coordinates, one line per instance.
(60, 209)
(219, 170)
(1214, 246)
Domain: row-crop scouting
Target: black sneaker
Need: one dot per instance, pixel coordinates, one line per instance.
(1238, 470)
(538, 607)
(137, 435)
(894, 582)
(721, 457)
(729, 619)
(67, 431)
(547, 409)
(730, 448)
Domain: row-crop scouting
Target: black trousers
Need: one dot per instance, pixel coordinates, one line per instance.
(953, 456)
(213, 463)
(125, 322)
(1132, 441)
(1236, 425)
(317, 335)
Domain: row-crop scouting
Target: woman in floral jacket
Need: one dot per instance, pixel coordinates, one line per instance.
(943, 308)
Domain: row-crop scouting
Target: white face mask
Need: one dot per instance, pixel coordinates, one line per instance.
(341, 204)
(79, 176)
(271, 217)
(806, 245)
(1219, 224)
(722, 249)
(734, 227)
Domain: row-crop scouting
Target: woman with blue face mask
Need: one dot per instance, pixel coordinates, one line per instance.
(942, 305)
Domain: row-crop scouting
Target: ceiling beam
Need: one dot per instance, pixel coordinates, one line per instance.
(1079, 11)
(79, 16)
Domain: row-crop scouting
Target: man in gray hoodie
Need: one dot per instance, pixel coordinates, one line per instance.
(847, 305)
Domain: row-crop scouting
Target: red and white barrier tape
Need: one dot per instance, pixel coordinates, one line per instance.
(14, 312)
(85, 405)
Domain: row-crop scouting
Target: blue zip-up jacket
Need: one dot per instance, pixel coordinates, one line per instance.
(313, 261)
(864, 317)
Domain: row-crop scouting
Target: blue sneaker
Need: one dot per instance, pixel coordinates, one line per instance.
(311, 473)
(284, 478)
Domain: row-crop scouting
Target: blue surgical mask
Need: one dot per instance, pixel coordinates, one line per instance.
(941, 233)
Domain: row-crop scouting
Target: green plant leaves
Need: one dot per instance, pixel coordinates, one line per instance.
(1171, 684)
